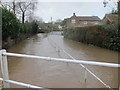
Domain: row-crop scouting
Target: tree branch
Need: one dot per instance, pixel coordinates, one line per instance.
(27, 6)
(20, 7)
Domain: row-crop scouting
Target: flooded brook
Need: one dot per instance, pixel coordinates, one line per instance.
(54, 74)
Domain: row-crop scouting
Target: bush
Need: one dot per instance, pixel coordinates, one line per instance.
(34, 28)
(10, 24)
(100, 35)
(25, 28)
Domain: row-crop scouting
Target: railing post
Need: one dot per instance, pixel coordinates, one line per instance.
(4, 69)
(85, 78)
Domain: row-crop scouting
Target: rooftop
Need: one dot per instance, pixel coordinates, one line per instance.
(86, 18)
(112, 17)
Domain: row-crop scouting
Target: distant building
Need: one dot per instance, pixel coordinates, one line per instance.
(110, 19)
(59, 27)
(77, 21)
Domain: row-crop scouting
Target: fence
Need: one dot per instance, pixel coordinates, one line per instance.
(5, 74)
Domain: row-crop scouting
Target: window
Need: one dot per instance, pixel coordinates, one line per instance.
(73, 21)
(85, 22)
(96, 22)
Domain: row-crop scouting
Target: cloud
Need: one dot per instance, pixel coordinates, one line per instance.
(62, 10)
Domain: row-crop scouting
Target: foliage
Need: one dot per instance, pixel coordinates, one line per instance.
(29, 28)
(63, 23)
(10, 24)
(100, 35)
(34, 28)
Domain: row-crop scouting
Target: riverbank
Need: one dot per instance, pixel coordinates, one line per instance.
(105, 36)
(11, 42)
(13, 31)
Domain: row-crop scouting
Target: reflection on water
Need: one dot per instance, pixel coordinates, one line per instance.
(53, 74)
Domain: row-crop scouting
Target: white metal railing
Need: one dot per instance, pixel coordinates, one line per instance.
(19, 83)
(5, 74)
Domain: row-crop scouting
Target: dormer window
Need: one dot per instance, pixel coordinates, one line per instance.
(73, 21)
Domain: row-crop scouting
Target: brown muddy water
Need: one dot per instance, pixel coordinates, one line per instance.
(52, 74)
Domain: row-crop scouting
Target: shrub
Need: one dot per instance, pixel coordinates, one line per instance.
(34, 29)
(10, 24)
(99, 35)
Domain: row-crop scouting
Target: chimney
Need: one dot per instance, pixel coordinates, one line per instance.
(74, 14)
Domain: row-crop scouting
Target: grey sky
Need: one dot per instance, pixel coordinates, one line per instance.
(61, 10)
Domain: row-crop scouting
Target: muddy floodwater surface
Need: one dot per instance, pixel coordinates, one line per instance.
(54, 74)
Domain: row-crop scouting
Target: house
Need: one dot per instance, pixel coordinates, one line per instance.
(78, 21)
(110, 19)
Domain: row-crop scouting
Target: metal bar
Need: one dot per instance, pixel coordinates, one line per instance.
(4, 69)
(64, 60)
(20, 83)
(0, 28)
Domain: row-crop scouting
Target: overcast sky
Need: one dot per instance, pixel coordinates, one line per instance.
(61, 10)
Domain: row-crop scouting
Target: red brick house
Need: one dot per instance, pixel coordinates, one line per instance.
(78, 21)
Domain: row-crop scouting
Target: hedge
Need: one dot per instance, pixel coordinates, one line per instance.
(99, 35)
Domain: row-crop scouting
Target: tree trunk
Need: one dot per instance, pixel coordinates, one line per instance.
(119, 15)
(23, 17)
(14, 7)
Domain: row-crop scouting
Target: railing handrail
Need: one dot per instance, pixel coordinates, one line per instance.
(20, 83)
(64, 60)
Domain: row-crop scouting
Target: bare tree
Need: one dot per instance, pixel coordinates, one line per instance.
(14, 5)
(9, 5)
(26, 7)
(21, 9)
(119, 16)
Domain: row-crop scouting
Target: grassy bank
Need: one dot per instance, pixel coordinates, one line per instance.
(105, 36)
